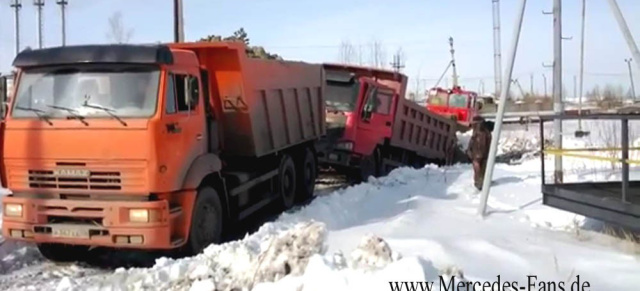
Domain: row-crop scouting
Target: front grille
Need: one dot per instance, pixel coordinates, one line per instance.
(97, 180)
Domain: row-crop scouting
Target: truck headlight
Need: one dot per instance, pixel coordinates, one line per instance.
(143, 215)
(139, 215)
(345, 145)
(13, 210)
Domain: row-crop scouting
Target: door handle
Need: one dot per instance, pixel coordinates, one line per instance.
(198, 136)
(173, 127)
(388, 123)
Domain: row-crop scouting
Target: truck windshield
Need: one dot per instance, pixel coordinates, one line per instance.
(86, 90)
(458, 100)
(342, 96)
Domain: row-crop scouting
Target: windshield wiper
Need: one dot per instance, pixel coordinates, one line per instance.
(72, 112)
(105, 109)
(41, 114)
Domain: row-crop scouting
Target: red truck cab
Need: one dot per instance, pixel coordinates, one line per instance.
(455, 103)
(371, 126)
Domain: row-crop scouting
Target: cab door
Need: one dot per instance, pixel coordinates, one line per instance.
(183, 127)
(375, 117)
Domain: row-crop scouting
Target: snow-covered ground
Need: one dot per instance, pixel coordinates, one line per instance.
(417, 225)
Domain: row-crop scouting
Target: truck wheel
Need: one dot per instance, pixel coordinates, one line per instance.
(307, 173)
(371, 166)
(286, 185)
(206, 221)
(62, 253)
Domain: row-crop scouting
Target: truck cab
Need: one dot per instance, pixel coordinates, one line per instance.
(455, 103)
(98, 140)
(359, 115)
(372, 127)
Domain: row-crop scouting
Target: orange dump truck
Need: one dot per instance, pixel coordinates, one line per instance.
(156, 147)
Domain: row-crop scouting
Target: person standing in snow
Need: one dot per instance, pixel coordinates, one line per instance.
(478, 150)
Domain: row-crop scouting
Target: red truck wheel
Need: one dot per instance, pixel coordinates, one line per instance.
(287, 182)
(206, 221)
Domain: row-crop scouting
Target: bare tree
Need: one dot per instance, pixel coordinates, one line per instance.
(117, 32)
(377, 56)
(348, 54)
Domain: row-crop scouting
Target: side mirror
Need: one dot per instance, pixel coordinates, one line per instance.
(3, 96)
(3, 89)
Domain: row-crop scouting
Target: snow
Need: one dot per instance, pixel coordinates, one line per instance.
(416, 225)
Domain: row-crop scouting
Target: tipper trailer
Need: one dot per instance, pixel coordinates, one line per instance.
(156, 147)
(372, 127)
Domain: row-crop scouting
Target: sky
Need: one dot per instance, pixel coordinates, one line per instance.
(312, 31)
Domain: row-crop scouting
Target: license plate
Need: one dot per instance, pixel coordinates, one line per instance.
(333, 157)
(69, 232)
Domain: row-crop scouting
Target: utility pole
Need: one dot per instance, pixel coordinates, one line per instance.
(178, 21)
(16, 5)
(633, 88)
(531, 83)
(453, 63)
(584, 8)
(397, 62)
(488, 176)
(39, 4)
(62, 4)
(575, 86)
(557, 85)
(544, 77)
(497, 55)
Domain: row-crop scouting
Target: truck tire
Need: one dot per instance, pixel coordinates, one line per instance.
(286, 185)
(370, 166)
(307, 172)
(62, 253)
(206, 221)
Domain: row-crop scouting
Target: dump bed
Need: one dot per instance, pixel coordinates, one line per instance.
(427, 133)
(265, 105)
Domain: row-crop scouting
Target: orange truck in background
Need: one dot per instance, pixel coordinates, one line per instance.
(157, 147)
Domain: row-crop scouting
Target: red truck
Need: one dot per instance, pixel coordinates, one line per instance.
(154, 147)
(457, 104)
(372, 127)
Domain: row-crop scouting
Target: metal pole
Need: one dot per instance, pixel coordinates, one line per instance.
(633, 88)
(545, 85)
(497, 55)
(39, 4)
(62, 4)
(453, 63)
(581, 86)
(625, 156)
(178, 21)
(575, 86)
(625, 30)
(531, 83)
(557, 85)
(501, 107)
(16, 5)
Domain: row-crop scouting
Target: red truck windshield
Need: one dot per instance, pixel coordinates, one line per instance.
(342, 96)
(458, 100)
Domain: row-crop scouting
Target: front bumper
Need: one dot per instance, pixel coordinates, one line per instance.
(88, 222)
